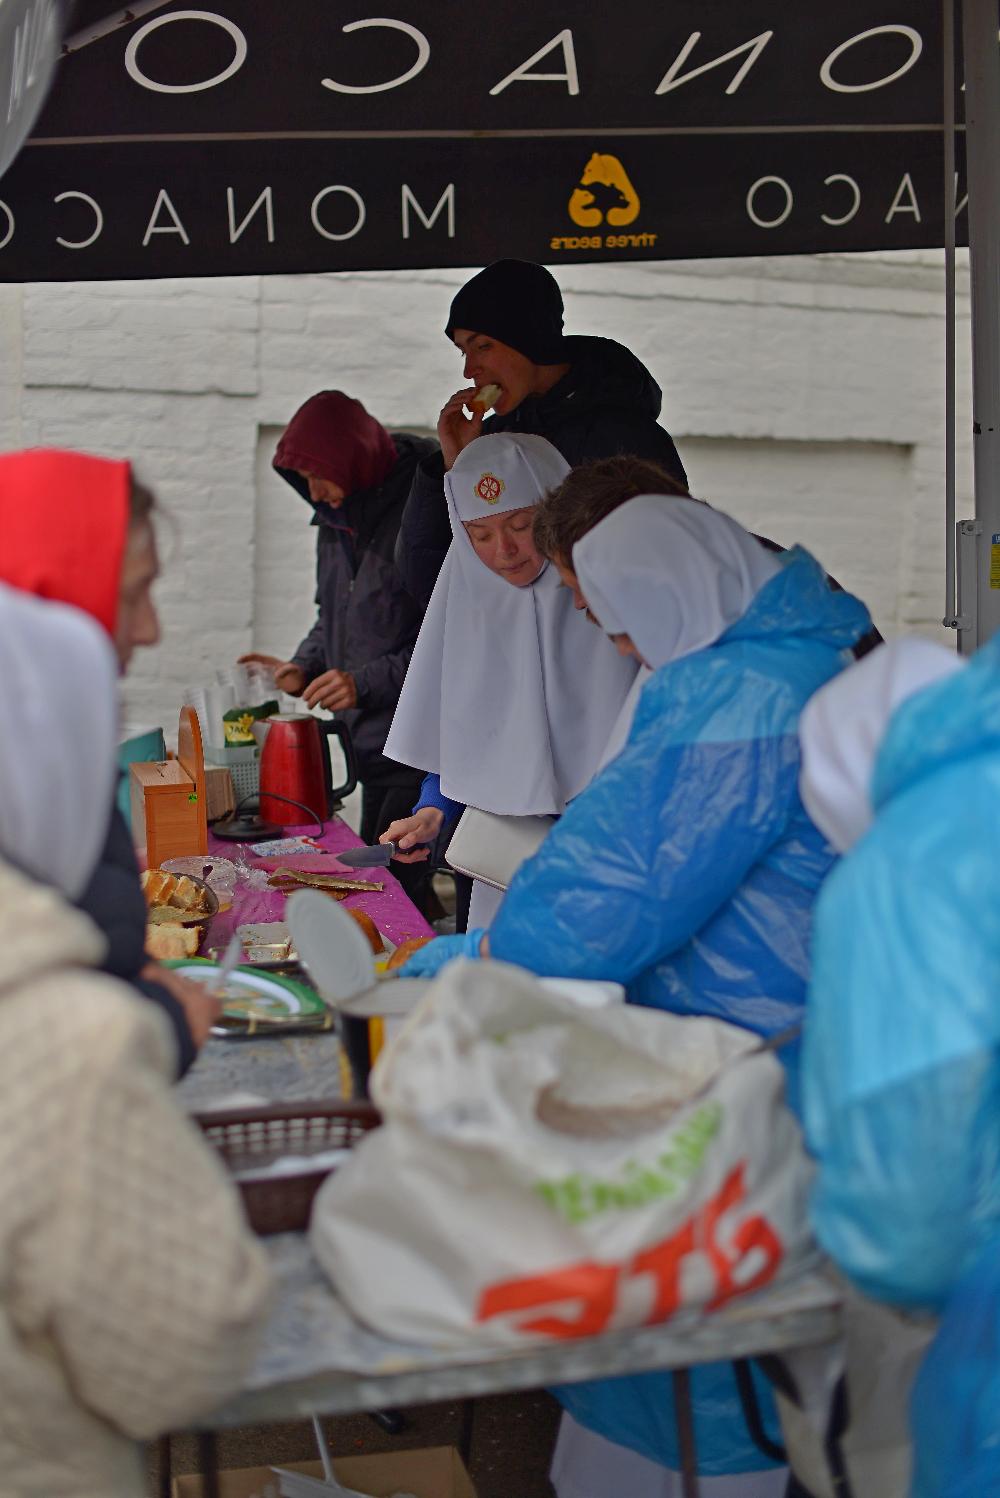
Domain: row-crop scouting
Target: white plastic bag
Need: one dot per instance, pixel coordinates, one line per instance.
(546, 1171)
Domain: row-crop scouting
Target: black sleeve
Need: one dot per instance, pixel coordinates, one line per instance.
(115, 903)
(155, 993)
(622, 432)
(424, 531)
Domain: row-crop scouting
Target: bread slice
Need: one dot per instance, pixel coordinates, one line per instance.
(187, 895)
(486, 397)
(157, 886)
(171, 941)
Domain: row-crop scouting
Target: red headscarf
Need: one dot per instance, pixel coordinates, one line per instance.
(332, 437)
(64, 521)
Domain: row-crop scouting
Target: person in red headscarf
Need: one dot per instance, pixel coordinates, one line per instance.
(355, 476)
(79, 530)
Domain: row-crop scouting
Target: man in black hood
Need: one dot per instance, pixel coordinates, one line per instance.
(590, 397)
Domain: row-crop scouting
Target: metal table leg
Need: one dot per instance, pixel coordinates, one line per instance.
(208, 1462)
(466, 1431)
(684, 1415)
(164, 1472)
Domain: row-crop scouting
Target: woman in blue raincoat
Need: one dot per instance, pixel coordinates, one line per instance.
(688, 869)
(902, 1050)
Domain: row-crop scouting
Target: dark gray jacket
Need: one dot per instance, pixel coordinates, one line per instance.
(607, 403)
(367, 622)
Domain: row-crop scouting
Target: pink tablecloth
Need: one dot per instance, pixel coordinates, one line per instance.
(393, 913)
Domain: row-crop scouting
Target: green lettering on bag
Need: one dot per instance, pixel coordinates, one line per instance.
(578, 1197)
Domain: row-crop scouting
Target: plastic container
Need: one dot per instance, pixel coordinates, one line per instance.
(243, 764)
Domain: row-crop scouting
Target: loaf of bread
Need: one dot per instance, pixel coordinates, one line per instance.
(169, 941)
(405, 951)
(370, 929)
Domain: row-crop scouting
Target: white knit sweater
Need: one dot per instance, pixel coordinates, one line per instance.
(131, 1287)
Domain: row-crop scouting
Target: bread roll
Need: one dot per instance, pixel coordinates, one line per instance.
(370, 929)
(405, 951)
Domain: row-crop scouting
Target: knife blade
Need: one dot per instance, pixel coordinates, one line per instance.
(380, 855)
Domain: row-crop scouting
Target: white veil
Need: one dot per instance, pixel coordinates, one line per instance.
(511, 693)
(671, 573)
(843, 725)
(58, 730)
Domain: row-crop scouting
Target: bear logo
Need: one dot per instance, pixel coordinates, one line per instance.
(604, 193)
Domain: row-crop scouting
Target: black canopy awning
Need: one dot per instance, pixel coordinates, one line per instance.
(316, 135)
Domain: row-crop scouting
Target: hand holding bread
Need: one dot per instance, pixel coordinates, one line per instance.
(455, 429)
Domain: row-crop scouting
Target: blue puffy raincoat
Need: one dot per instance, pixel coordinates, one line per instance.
(902, 1061)
(688, 872)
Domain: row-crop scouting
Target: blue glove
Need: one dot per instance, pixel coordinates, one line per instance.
(428, 961)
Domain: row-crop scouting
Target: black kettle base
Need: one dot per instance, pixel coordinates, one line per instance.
(247, 829)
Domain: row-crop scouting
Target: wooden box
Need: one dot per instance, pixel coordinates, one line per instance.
(169, 800)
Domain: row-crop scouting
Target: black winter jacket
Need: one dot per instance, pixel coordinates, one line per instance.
(114, 901)
(368, 621)
(607, 403)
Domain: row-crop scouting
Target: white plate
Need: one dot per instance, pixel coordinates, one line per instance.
(254, 993)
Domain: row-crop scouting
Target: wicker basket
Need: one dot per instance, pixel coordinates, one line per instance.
(249, 1137)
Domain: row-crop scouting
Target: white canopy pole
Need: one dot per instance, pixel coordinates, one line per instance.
(982, 118)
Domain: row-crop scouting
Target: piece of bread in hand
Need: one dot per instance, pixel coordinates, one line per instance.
(370, 929)
(486, 397)
(405, 951)
(171, 940)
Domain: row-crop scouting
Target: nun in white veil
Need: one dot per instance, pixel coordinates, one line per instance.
(511, 693)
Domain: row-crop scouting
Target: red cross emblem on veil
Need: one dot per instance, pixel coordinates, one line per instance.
(490, 488)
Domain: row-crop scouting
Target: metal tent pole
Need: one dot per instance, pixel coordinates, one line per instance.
(950, 621)
(982, 119)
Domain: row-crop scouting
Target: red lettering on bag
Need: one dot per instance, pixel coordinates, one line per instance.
(754, 1233)
(663, 1262)
(591, 1286)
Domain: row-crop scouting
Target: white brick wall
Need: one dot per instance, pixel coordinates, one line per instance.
(805, 395)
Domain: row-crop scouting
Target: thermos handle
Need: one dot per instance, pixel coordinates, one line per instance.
(337, 793)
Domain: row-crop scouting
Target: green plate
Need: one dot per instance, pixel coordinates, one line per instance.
(251, 994)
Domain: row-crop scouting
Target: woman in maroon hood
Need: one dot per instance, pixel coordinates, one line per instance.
(355, 476)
